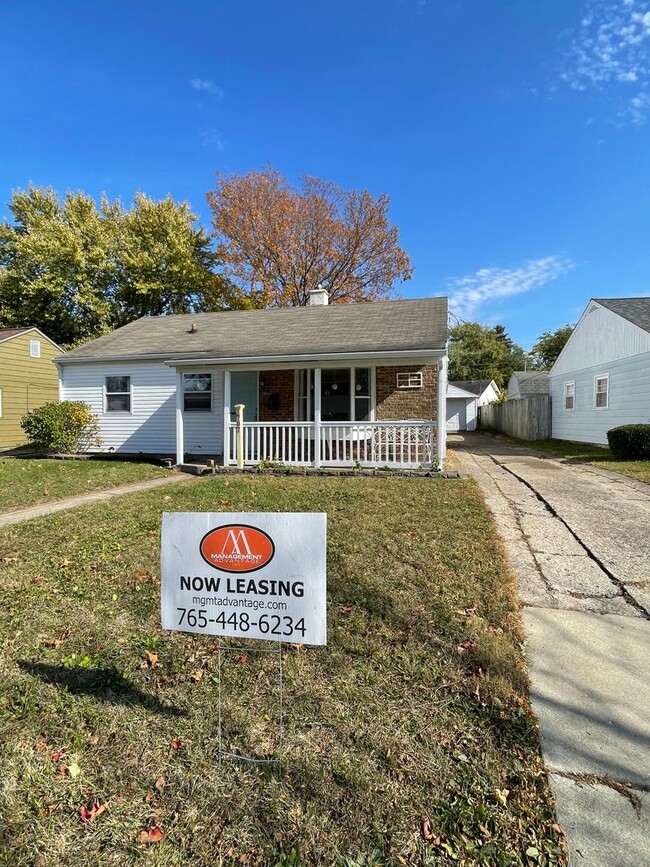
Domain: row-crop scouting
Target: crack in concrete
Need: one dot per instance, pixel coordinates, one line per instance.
(627, 790)
(624, 592)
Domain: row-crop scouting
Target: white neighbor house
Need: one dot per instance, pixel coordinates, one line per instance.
(322, 385)
(601, 379)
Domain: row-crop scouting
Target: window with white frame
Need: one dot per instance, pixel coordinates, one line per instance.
(118, 394)
(601, 391)
(409, 380)
(362, 395)
(35, 348)
(197, 392)
(569, 396)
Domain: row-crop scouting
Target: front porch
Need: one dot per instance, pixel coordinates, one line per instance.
(375, 416)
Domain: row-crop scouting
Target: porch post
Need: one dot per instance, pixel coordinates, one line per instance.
(441, 427)
(317, 395)
(226, 418)
(180, 445)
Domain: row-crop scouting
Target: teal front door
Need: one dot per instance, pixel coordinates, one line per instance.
(243, 389)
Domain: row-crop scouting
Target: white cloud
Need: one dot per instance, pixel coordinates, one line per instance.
(211, 138)
(609, 53)
(467, 294)
(206, 85)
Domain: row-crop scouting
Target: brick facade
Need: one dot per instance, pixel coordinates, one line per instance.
(276, 398)
(406, 403)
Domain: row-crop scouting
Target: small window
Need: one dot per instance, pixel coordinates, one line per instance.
(197, 392)
(601, 391)
(569, 395)
(410, 380)
(118, 394)
(35, 348)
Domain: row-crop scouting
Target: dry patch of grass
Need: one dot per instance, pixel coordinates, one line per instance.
(28, 481)
(407, 740)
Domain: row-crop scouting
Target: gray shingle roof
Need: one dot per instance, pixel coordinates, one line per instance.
(475, 386)
(386, 326)
(532, 381)
(635, 310)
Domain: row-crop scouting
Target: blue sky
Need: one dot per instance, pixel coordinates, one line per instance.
(512, 135)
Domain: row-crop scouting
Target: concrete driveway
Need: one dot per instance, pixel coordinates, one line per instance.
(578, 539)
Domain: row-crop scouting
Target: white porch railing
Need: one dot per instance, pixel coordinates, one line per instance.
(404, 444)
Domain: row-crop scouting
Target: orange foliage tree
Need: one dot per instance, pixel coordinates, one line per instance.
(277, 242)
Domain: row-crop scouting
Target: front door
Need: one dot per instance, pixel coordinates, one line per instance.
(243, 389)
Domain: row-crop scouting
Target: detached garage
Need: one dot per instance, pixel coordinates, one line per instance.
(462, 409)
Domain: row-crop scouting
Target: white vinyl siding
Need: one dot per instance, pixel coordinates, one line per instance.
(150, 427)
(628, 400)
(599, 337)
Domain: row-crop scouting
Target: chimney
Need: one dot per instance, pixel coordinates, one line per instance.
(319, 297)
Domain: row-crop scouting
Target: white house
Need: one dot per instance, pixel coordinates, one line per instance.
(601, 379)
(322, 385)
(525, 383)
(464, 399)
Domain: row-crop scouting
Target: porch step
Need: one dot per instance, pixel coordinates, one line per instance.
(194, 469)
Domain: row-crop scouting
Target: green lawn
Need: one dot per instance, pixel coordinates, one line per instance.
(27, 481)
(588, 454)
(408, 740)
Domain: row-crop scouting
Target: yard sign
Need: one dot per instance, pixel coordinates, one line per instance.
(245, 574)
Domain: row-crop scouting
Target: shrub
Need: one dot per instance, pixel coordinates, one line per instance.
(630, 442)
(67, 427)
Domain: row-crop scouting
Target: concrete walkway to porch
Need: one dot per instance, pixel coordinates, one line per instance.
(579, 541)
(20, 515)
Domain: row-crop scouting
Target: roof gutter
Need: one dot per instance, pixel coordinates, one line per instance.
(254, 359)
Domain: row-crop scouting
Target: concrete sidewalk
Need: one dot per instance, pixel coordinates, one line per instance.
(579, 541)
(16, 517)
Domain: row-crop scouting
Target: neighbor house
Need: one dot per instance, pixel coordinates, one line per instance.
(322, 385)
(463, 400)
(526, 383)
(28, 378)
(601, 379)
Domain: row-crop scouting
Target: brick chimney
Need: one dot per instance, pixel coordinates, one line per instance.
(319, 297)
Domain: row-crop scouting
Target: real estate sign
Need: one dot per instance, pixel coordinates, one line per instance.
(245, 574)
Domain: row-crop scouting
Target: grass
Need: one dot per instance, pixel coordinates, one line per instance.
(28, 481)
(408, 740)
(585, 453)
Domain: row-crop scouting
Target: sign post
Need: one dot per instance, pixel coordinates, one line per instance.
(246, 575)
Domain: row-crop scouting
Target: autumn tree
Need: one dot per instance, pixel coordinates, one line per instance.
(77, 270)
(277, 242)
(549, 345)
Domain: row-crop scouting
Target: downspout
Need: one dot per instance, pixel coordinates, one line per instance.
(441, 427)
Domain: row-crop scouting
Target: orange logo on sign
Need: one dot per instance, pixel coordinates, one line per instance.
(237, 548)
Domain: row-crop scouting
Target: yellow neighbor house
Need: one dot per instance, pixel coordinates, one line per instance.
(28, 378)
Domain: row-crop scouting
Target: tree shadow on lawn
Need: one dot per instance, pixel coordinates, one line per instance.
(105, 684)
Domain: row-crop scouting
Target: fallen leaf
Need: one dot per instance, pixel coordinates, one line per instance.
(502, 795)
(73, 770)
(427, 834)
(176, 744)
(65, 563)
(344, 609)
(166, 498)
(197, 675)
(57, 754)
(89, 814)
(151, 661)
(464, 646)
(243, 659)
(8, 560)
(57, 642)
(159, 784)
(151, 835)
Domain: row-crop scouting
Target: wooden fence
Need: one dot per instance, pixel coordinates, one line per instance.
(526, 419)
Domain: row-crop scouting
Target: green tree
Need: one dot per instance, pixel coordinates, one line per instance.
(549, 345)
(479, 352)
(77, 270)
